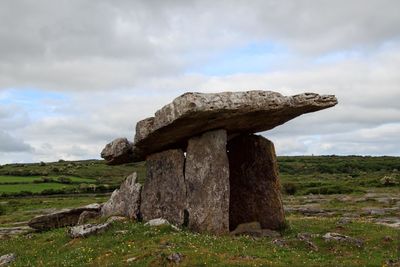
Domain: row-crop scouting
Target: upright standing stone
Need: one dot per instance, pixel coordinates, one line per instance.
(254, 183)
(207, 183)
(124, 201)
(164, 191)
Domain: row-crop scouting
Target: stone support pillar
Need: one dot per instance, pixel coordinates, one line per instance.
(207, 183)
(254, 183)
(164, 191)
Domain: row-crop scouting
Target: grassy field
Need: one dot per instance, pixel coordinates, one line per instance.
(144, 246)
(9, 179)
(331, 187)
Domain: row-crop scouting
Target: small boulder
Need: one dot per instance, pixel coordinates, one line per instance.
(124, 201)
(118, 151)
(7, 259)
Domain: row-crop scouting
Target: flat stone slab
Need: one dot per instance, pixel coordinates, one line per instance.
(192, 114)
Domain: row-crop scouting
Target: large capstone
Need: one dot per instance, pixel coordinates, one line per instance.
(164, 191)
(124, 201)
(192, 114)
(207, 183)
(254, 183)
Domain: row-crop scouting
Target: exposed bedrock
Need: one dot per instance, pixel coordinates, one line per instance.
(254, 183)
(164, 191)
(192, 114)
(207, 183)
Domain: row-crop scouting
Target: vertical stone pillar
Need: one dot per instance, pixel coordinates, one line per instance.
(254, 183)
(164, 191)
(207, 183)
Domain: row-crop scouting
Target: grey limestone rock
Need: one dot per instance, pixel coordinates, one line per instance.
(124, 201)
(164, 191)
(118, 151)
(207, 183)
(192, 114)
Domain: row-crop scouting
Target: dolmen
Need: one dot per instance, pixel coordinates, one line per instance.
(205, 167)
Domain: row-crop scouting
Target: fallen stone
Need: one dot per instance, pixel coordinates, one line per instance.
(164, 191)
(343, 238)
(62, 218)
(7, 259)
(87, 215)
(238, 112)
(118, 151)
(254, 183)
(124, 201)
(91, 229)
(207, 183)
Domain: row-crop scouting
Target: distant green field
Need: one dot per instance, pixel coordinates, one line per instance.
(6, 179)
(34, 188)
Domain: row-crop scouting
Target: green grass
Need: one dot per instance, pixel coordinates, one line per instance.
(34, 188)
(151, 246)
(30, 179)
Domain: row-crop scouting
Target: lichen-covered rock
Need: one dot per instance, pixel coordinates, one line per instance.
(118, 151)
(124, 201)
(237, 112)
(254, 183)
(62, 218)
(207, 183)
(164, 191)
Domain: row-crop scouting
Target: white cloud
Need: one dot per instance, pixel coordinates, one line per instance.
(116, 62)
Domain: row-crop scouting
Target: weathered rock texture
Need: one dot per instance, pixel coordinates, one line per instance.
(237, 112)
(164, 191)
(118, 151)
(87, 215)
(65, 217)
(124, 201)
(207, 183)
(254, 183)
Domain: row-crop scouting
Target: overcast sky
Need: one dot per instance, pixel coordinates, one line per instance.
(75, 74)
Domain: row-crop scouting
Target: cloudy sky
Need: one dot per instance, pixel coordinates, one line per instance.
(75, 74)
